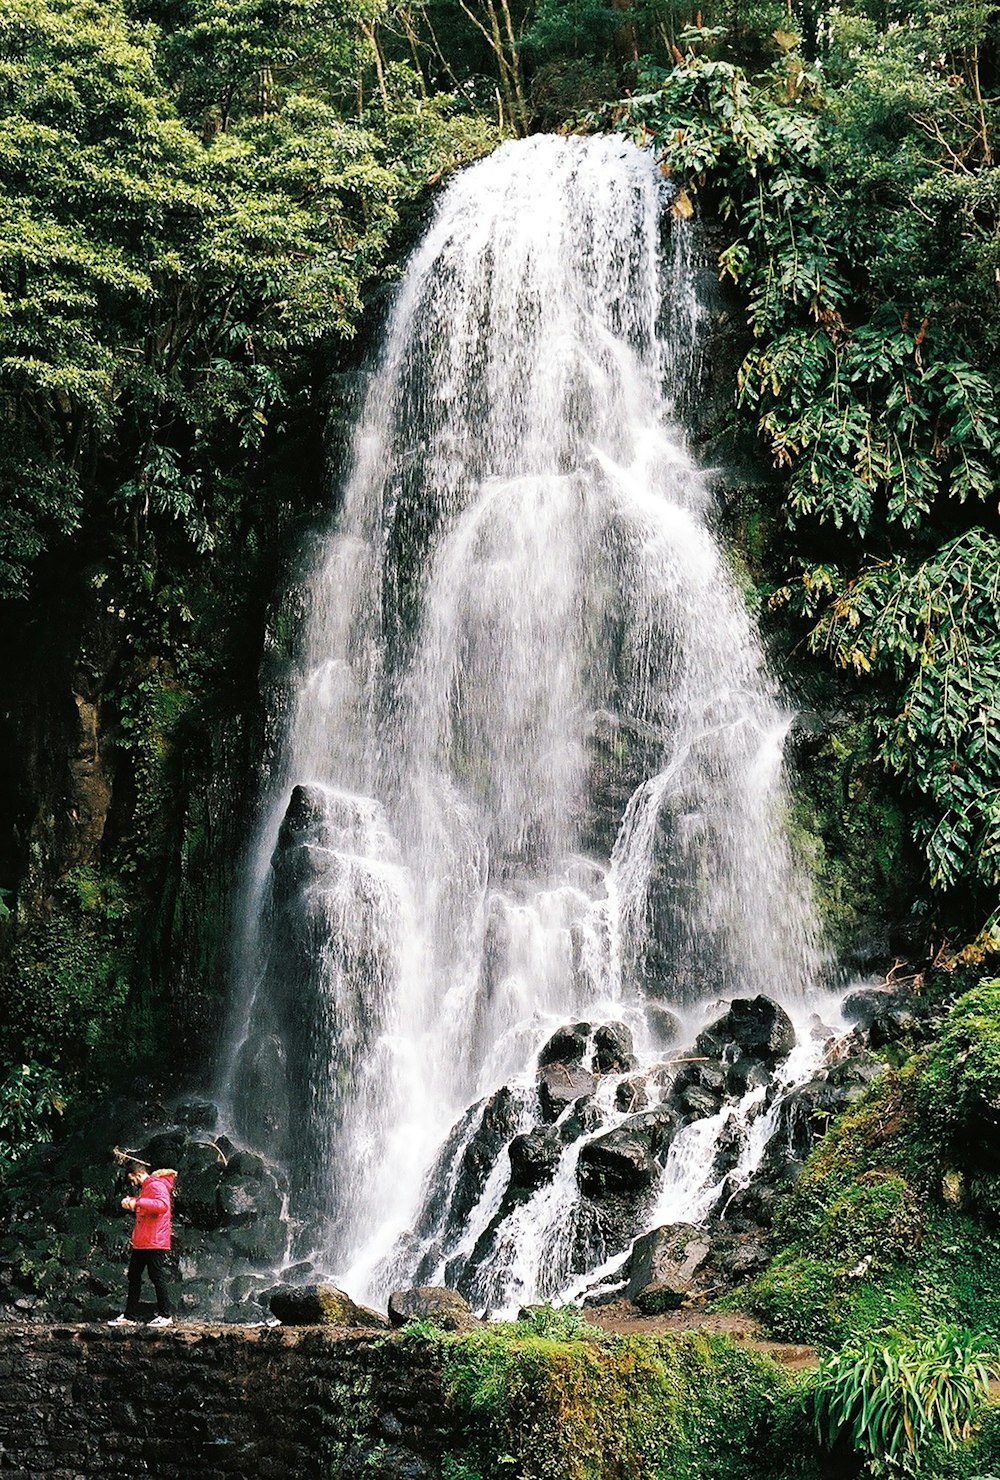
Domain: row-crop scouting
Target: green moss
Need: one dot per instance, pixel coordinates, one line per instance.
(68, 976)
(854, 828)
(595, 1407)
(959, 1093)
(893, 1222)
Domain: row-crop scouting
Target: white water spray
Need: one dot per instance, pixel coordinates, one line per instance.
(533, 772)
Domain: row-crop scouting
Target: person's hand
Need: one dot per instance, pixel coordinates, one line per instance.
(128, 1203)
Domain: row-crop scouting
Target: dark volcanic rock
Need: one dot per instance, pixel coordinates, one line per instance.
(755, 1027)
(200, 1170)
(559, 1085)
(534, 1158)
(566, 1046)
(805, 1113)
(456, 1181)
(885, 1014)
(663, 1264)
(629, 1158)
(632, 1095)
(665, 1026)
(445, 1308)
(319, 1305)
(698, 1090)
(613, 1049)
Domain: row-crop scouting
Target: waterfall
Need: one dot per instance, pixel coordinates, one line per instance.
(533, 772)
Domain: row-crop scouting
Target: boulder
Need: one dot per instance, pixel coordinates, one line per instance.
(200, 1169)
(632, 1094)
(248, 1190)
(663, 1264)
(566, 1046)
(444, 1308)
(697, 1090)
(319, 1305)
(629, 1158)
(804, 1114)
(459, 1175)
(559, 1085)
(755, 1027)
(613, 1049)
(583, 1120)
(665, 1026)
(884, 1014)
(534, 1158)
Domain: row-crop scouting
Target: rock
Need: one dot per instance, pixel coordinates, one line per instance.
(755, 1027)
(665, 1026)
(198, 1115)
(319, 1305)
(745, 1074)
(566, 1046)
(884, 1014)
(445, 1308)
(629, 1158)
(740, 1259)
(583, 1120)
(728, 1149)
(459, 1175)
(663, 1264)
(534, 1158)
(613, 1049)
(248, 1189)
(697, 1091)
(804, 1114)
(559, 1085)
(387, 1461)
(199, 1175)
(632, 1095)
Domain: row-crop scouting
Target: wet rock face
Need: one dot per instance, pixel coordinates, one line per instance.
(445, 1308)
(885, 1014)
(534, 1158)
(630, 1158)
(698, 1090)
(559, 1085)
(566, 1046)
(613, 1049)
(754, 1028)
(456, 1181)
(663, 1266)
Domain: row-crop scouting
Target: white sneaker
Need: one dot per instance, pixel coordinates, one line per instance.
(123, 1321)
(159, 1321)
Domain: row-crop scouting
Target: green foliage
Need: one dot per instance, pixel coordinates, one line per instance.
(894, 1398)
(31, 1098)
(864, 216)
(68, 977)
(162, 288)
(959, 1091)
(935, 628)
(893, 1222)
(618, 1408)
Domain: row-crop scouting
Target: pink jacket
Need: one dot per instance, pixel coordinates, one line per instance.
(152, 1211)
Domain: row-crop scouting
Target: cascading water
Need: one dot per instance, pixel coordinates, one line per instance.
(533, 773)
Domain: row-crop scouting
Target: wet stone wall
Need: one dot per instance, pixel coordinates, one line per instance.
(208, 1401)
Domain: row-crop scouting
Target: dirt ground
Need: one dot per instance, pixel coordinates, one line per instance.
(623, 1319)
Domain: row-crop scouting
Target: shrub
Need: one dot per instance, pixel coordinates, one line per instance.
(897, 1398)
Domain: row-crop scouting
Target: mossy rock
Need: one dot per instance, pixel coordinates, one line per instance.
(320, 1305)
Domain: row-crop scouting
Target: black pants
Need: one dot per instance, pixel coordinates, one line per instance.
(155, 1260)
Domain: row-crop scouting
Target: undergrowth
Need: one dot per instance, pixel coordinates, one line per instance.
(551, 1399)
(892, 1224)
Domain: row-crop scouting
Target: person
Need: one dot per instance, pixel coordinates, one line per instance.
(151, 1237)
